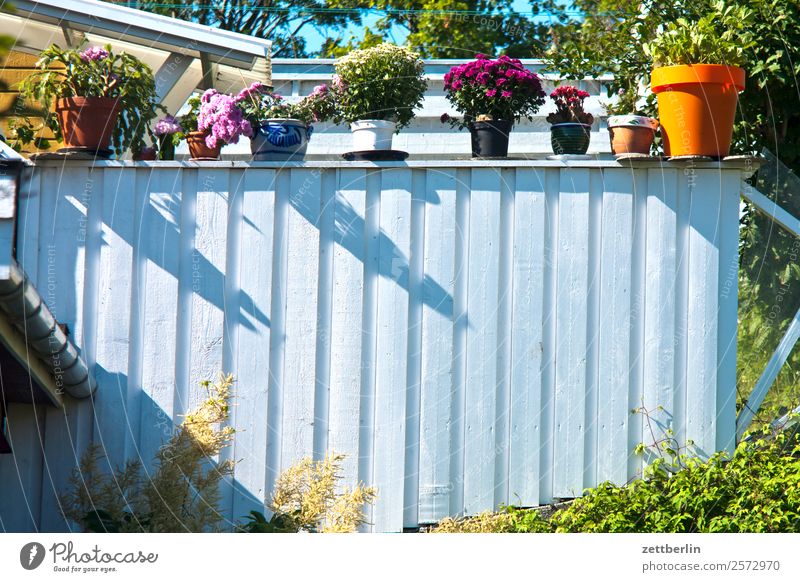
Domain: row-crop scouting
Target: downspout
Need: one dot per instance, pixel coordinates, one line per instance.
(22, 304)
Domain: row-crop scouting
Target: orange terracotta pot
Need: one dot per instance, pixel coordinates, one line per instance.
(87, 122)
(697, 107)
(196, 140)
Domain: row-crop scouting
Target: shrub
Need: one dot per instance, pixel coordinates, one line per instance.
(385, 82)
(757, 490)
(508, 520)
(180, 495)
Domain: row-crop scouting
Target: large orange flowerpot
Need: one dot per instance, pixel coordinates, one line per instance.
(87, 122)
(697, 107)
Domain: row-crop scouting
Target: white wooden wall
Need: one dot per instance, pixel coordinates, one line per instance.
(469, 334)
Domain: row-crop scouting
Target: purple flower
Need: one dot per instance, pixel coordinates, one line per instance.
(251, 92)
(166, 125)
(491, 92)
(224, 121)
(94, 53)
(507, 94)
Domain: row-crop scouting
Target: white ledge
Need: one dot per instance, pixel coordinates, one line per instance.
(750, 164)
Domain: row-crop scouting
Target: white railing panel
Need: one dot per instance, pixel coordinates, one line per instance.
(467, 333)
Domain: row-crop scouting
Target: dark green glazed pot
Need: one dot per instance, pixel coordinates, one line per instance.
(570, 138)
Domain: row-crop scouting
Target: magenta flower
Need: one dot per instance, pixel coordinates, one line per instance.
(94, 53)
(485, 87)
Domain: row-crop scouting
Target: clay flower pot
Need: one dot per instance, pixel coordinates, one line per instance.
(87, 122)
(631, 134)
(198, 149)
(697, 107)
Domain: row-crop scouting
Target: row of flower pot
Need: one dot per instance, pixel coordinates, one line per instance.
(105, 100)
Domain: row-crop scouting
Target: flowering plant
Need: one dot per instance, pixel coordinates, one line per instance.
(569, 106)
(501, 89)
(385, 82)
(221, 119)
(258, 104)
(168, 132)
(167, 125)
(95, 72)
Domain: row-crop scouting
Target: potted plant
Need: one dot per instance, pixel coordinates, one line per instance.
(571, 126)
(101, 99)
(492, 95)
(697, 79)
(376, 90)
(168, 132)
(195, 139)
(281, 130)
(630, 133)
(213, 120)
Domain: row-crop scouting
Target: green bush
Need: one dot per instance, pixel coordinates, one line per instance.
(757, 490)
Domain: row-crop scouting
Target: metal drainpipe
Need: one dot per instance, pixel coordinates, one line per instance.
(29, 314)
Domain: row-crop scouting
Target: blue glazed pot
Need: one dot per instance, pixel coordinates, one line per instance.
(570, 138)
(280, 140)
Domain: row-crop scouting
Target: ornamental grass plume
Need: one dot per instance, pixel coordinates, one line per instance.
(180, 495)
(306, 498)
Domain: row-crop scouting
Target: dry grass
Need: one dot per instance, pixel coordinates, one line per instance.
(182, 493)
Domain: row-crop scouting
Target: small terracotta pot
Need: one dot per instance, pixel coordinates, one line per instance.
(631, 134)
(198, 148)
(87, 122)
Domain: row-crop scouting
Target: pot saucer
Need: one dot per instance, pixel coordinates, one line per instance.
(375, 156)
(570, 157)
(86, 151)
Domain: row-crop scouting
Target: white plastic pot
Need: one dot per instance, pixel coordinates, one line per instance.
(372, 134)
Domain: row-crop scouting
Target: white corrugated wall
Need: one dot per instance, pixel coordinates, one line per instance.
(469, 334)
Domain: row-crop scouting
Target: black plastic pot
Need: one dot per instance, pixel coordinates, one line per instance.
(570, 138)
(490, 138)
